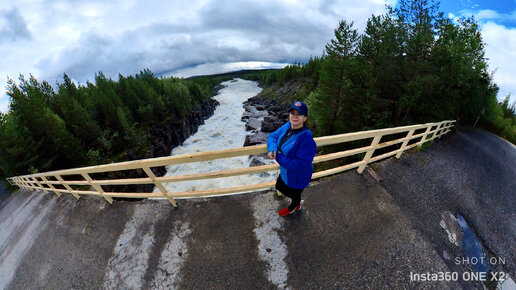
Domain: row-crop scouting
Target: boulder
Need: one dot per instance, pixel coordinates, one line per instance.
(253, 124)
(257, 160)
(255, 139)
(268, 127)
(270, 119)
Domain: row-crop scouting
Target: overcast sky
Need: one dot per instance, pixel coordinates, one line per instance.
(47, 38)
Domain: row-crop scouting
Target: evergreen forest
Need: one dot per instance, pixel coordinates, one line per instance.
(101, 122)
(411, 65)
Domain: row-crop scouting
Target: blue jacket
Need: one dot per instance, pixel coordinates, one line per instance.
(296, 156)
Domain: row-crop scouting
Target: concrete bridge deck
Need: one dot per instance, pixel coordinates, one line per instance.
(353, 232)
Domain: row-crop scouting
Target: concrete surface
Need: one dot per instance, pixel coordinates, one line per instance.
(472, 173)
(4, 195)
(351, 233)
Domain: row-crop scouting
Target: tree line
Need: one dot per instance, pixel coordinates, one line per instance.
(410, 65)
(100, 122)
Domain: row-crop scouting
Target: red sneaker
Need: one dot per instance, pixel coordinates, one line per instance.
(285, 212)
(300, 205)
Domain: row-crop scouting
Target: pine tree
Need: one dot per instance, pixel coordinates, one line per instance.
(334, 84)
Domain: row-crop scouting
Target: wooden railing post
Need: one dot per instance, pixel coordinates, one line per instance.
(404, 145)
(66, 186)
(17, 182)
(442, 131)
(27, 182)
(97, 187)
(22, 182)
(51, 186)
(436, 130)
(30, 184)
(423, 138)
(369, 153)
(159, 185)
(39, 184)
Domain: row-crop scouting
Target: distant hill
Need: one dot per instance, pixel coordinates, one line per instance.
(235, 74)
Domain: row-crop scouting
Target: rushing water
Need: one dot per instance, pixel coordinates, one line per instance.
(223, 130)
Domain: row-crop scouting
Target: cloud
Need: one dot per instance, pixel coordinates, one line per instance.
(499, 34)
(13, 26)
(501, 54)
(81, 38)
(4, 104)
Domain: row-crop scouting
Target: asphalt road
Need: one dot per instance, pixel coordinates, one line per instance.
(353, 232)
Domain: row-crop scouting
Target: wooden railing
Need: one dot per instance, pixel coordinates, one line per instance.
(55, 181)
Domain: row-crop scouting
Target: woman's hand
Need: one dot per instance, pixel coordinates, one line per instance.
(272, 155)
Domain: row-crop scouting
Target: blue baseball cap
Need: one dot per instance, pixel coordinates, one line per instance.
(300, 107)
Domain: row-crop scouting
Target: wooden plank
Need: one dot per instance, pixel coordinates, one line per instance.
(66, 186)
(342, 138)
(51, 186)
(20, 182)
(336, 170)
(219, 174)
(97, 187)
(435, 131)
(201, 193)
(337, 155)
(35, 179)
(164, 161)
(159, 185)
(79, 192)
(389, 143)
(423, 139)
(369, 153)
(404, 145)
(26, 182)
(15, 181)
(385, 155)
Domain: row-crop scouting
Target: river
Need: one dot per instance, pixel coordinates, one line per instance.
(223, 130)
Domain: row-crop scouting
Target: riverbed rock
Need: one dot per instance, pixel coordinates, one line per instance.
(253, 124)
(257, 160)
(255, 139)
(270, 113)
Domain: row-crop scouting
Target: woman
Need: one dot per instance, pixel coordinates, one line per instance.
(293, 147)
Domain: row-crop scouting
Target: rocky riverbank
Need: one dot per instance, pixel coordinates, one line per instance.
(262, 116)
(164, 139)
(267, 111)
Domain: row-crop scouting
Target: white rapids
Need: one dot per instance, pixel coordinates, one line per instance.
(223, 130)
